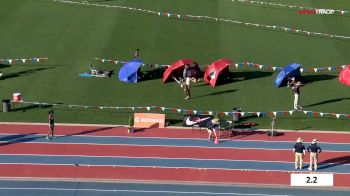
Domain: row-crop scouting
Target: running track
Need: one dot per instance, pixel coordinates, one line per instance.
(109, 153)
(83, 188)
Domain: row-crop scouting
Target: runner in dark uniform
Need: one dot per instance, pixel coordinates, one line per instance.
(51, 125)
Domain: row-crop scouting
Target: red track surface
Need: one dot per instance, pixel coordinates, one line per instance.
(161, 174)
(149, 173)
(166, 152)
(171, 133)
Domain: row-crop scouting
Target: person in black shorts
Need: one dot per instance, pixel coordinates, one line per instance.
(212, 126)
(51, 117)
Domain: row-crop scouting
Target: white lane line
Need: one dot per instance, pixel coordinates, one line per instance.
(165, 138)
(170, 167)
(164, 145)
(140, 191)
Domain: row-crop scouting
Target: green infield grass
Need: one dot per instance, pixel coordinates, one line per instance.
(72, 35)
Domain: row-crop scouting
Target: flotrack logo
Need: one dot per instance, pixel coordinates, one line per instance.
(316, 11)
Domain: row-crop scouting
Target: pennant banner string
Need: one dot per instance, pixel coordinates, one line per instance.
(239, 65)
(22, 60)
(342, 12)
(208, 18)
(190, 111)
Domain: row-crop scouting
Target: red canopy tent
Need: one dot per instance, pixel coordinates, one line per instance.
(344, 76)
(217, 69)
(177, 68)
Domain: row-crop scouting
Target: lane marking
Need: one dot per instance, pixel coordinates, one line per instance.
(153, 145)
(169, 167)
(167, 138)
(140, 191)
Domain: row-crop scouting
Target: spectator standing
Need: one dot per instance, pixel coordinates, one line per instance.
(296, 92)
(137, 53)
(186, 74)
(51, 117)
(299, 152)
(314, 150)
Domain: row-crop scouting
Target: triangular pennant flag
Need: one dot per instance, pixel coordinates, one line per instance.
(305, 112)
(291, 112)
(226, 113)
(337, 115)
(148, 108)
(274, 68)
(274, 113)
(132, 108)
(315, 69)
(24, 60)
(103, 60)
(242, 113)
(321, 114)
(329, 68)
(101, 107)
(163, 108)
(236, 65)
(116, 62)
(10, 61)
(179, 110)
(194, 112)
(310, 114)
(301, 70)
(260, 66)
(37, 60)
(258, 114)
(210, 112)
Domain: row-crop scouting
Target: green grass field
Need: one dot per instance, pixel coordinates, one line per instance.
(72, 35)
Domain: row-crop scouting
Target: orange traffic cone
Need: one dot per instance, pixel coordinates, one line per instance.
(216, 141)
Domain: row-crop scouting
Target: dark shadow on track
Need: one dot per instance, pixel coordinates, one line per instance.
(20, 138)
(91, 131)
(335, 162)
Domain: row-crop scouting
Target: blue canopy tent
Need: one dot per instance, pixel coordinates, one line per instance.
(289, 70)
(128, 73)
